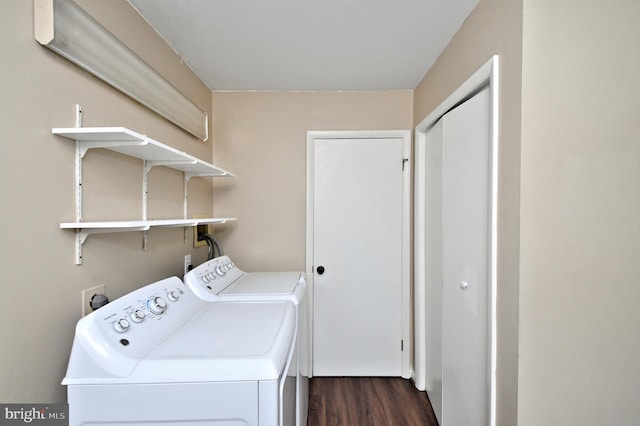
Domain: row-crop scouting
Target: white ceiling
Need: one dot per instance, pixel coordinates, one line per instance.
(307, 44)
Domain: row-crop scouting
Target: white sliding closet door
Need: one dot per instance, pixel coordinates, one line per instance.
(433, 265)
(455, 246)
(465, 263)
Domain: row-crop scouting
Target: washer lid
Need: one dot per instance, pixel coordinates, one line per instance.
(227, 341)
(260, 283)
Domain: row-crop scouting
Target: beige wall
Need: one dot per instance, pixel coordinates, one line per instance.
(41, 285)
(494, 27)
(580, 217)
(261, 136)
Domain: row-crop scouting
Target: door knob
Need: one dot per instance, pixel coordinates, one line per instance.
(320, 270)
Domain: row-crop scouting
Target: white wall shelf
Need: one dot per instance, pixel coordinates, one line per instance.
(132, 144)
(84, 229)
(153, 153)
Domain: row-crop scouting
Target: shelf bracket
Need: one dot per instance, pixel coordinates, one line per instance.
(152, 163)
(78, 181)
(145, 187)
(187, 178)
(185, 205)
(81, 237)
(86, 146)
(147, 165)
(83, 233)
(78, 111)
(190, 175)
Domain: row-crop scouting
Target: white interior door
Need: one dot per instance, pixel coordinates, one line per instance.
(465, 261)
(358, 256)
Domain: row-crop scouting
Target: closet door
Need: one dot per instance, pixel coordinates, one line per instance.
(433, 265)
(465, 263)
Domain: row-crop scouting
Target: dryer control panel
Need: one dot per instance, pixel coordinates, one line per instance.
(110, 341)
(208, 280)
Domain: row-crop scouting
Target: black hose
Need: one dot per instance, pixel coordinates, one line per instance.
(211, 242)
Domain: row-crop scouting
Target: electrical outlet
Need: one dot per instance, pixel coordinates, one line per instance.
(187, 263)
(88, 294)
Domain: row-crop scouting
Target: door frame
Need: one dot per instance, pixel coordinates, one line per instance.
(486, 76)
(406, 310)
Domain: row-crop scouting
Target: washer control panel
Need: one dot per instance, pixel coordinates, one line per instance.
(113, 338)
(208, 280)
(127, 312)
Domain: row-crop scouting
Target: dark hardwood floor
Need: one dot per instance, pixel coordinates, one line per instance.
(367, 401)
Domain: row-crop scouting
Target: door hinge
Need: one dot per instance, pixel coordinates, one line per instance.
(404, 160)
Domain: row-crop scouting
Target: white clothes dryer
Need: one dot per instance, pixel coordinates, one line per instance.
(219, 279)
(160, 355)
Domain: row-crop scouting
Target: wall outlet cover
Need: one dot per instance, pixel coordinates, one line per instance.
(187, 263)
(88, 294)
(200, 229)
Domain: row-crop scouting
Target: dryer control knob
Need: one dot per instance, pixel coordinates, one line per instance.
(121, 325)
(173, 296)
(157, 305)
(137, 315)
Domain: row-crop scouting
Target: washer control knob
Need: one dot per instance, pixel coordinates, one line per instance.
(220, 270)
(157, 305)
(121, 325)
(137, 315)
(205, 278)
(173, 295)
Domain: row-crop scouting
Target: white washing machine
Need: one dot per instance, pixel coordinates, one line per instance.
(161, 355)
(220, 280)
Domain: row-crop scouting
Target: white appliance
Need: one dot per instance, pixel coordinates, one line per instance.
(160, 355)
(220, 279)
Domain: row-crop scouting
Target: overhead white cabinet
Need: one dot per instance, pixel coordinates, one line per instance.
(153, 153)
